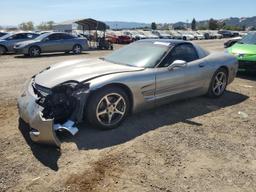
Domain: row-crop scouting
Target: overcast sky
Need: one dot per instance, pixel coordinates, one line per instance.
(14, 12)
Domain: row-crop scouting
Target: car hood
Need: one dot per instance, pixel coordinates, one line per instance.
(79, 70)
(243, 49)
(24, 43)
(246, 52)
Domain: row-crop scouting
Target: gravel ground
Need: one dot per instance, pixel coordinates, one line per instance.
(199, 144)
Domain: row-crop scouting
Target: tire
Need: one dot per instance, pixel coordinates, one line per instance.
(218, 83)
(107, 108)
(2, 50)
(184, 38)
(34, 51)
(77, 49)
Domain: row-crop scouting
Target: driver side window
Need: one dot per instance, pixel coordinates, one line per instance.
(54, 37)
(185, 52)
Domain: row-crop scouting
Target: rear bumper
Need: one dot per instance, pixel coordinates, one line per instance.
(247, 65)
(42, 130)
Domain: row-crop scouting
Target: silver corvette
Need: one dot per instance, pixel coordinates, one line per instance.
(104, 91)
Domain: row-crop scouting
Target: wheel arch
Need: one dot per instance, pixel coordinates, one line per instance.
(35, 46)
(124, 87)
(226, 69)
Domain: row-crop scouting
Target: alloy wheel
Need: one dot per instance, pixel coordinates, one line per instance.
(111, 109)
(220, 83)
(35, 52)
(77, 49)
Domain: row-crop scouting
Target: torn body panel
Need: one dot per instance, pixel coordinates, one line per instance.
(48, 113)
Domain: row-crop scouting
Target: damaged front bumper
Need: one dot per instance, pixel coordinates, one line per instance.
(42, 130)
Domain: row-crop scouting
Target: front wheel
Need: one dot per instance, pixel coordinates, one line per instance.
(77, 49)
(108, 107)
(34, 51)
(218, 84)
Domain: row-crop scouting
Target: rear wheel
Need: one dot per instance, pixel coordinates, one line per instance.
(77, 49)
(219, 83)
(34, 51)
(108, 108)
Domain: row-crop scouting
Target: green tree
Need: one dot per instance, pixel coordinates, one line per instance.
(153, 26)
(44, 26)
(193, 24)
(27, 26)
(213, 24)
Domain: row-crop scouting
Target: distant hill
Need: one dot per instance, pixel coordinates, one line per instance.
(232, 21)
(126, 25)
(240, 22)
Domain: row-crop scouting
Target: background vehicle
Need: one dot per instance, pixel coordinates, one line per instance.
(8, 41)
(162, 34)
(175, 35)
(2, 34)
(122, 38)
(228, 34)
(134, 78)
(245, 52)
(215, 35)
(186, 35)
(231, 42)
(149, 34)
(112, 37)
(135, 35)
(197, 35)
(52, 42)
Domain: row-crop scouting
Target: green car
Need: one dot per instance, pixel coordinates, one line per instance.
(245, 51)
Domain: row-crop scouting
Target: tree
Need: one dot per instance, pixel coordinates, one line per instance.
(153, 26)
(44, 26)
(193, 24)
(27, 26)
(213, 24)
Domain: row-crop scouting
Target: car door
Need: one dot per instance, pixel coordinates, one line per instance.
(52, 43)
(67, 42)
(177, 82)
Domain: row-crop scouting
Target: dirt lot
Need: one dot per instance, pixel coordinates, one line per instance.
(198, 144)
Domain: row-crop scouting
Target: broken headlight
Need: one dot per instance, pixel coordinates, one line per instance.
(63, 100)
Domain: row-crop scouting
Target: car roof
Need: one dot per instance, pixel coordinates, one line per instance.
(172, 42)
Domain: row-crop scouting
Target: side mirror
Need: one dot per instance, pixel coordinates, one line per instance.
(177, 64)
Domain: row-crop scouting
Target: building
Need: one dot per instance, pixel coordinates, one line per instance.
(66, 26)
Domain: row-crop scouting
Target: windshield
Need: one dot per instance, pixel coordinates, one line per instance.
(41, 37)
(140, 54)
(249, 39)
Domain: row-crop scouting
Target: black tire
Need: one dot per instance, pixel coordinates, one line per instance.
(97, 100)
(34, 51)
(213, 91)
(184, 38)
(2, 50)
(77, 49)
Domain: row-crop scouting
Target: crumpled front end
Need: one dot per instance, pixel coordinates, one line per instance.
(50, 110)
